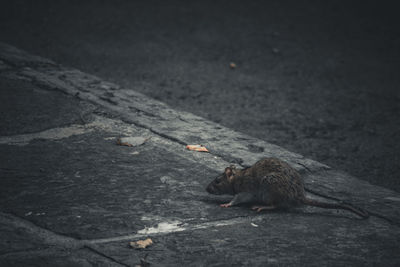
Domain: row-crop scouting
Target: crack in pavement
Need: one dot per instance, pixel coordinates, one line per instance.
(44, 235)
(49, 134)
(51, 81)
(180, 227)
(58, 242)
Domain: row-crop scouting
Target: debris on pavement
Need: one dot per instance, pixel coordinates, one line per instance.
(254, 225)
(232, 65)
(275, 50)
(199, 148)
(132, 141)
(141, 244)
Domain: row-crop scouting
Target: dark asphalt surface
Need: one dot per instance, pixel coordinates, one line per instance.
(318, 78)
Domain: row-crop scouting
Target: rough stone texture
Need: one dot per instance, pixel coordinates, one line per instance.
(80, 198)
(336, 242)
(181, 127)
(25, 244)
(88, 187)
(50, 110)
(14, 239)
(84, 258)
(301, 66)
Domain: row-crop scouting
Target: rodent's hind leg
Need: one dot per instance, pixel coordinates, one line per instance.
(261, 208)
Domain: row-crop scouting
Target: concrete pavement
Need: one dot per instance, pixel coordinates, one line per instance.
(70, 196)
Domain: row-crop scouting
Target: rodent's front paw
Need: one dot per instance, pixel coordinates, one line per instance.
(226, 205)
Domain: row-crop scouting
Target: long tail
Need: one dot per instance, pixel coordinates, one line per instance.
(310, 202)
(320, 194)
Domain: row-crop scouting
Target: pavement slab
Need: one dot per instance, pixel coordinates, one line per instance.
(332, 243)
(70, 195)
(83, 257)
(88, 187)
(25, 244)
(50, 110)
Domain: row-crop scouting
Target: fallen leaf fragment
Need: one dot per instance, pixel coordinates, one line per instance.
(140, 244)
(199, 148)
(131, 141)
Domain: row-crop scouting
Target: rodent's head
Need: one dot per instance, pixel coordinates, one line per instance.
(223, 184)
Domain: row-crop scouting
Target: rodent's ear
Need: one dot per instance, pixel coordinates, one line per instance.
(229, 173)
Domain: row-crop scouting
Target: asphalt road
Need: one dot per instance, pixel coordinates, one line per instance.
(318, 78)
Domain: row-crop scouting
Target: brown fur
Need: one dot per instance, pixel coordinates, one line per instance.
(271, 182)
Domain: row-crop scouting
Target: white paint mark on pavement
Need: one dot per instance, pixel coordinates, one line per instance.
(162, 228)
(173, 227)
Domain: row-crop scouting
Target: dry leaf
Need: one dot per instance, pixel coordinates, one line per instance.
(141, 243)
(131, 141)
(199, 148)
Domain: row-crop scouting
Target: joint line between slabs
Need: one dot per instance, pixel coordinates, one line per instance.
(183, 228)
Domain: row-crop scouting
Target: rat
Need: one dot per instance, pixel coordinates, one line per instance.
(271, 183)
